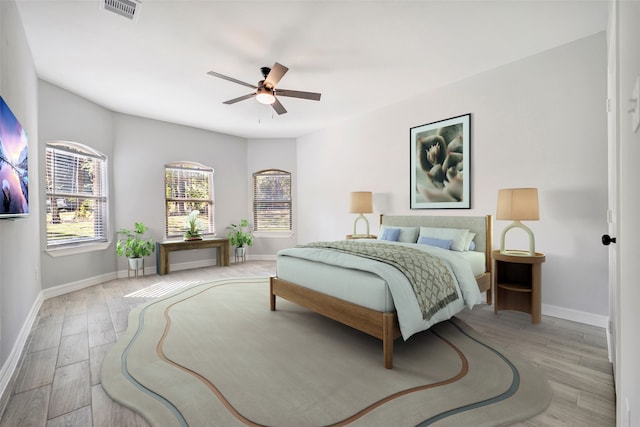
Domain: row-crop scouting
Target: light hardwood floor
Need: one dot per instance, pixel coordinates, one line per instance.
(58, 383)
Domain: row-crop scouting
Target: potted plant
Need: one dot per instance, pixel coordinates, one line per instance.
(240, 236)
(194, 226)
(133, 246)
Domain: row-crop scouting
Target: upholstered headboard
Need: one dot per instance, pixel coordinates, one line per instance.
(481, 225)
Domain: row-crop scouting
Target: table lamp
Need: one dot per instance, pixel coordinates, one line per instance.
(518, 204)
(361, 203)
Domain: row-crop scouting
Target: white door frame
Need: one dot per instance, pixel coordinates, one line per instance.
(613, 176)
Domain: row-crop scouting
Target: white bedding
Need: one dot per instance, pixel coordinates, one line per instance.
(477, 260)
(364, 281)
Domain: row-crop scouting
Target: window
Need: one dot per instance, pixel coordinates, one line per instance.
(188, 187)
(76, 194)
(272, 200)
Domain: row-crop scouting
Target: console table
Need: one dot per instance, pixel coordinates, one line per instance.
(163, 249)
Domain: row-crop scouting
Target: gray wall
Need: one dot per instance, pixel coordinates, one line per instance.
(137, 150)
(271, 154)
(538, 122)
(64, 116)
(20, 249)
(143, 147)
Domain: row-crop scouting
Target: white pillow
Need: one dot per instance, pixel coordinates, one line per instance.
(458, 236)
(468, 240)
(407, 234)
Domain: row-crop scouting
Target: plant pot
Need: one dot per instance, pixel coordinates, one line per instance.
(240, 253)
(135, 263)
(188, 239)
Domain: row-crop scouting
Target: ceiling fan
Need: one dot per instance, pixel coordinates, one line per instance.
(265, 92)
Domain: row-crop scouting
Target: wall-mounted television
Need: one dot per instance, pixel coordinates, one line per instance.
(14, 171)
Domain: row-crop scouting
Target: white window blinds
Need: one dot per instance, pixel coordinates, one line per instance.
(272, 200)
(188, 187)
(76, 194)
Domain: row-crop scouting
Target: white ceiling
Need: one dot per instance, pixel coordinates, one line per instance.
(361, 55)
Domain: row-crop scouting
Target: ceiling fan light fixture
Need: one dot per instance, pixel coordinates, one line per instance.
(265, 96)
(265, 91)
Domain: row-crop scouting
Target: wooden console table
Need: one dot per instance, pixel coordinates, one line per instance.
(163, 249)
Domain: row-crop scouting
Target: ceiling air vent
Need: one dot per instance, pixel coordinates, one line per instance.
(128, 8)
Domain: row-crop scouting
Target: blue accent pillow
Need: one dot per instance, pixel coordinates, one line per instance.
(431, 241)
(472, 246)
(390, 234)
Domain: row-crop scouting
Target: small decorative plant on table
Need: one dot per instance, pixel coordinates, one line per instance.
(194, 226)
(240, 236)
(134, 246)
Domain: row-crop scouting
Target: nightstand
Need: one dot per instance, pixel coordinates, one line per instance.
(517, 283)
(351, 236)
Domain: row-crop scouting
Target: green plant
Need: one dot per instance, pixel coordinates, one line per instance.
(132, 245)
(239, 234)
(194, 225)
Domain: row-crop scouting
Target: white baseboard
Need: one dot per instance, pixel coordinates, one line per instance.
(261, 257)
(576, 316)
(56, 291)
(572, 315)
(11, 364)
(610, 349)
(192, 264)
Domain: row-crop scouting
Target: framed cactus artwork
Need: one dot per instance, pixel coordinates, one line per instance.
(440, 175)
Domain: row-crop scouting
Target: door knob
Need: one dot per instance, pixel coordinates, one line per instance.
(607, 240)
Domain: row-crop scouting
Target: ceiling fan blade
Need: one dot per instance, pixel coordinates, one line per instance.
(240, 98)
(299, 94)
(274, 76)
(278, 107)
(231, 79)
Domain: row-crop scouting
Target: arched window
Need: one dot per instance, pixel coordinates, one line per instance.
(77, 196)
(272, 200)
(188, 187)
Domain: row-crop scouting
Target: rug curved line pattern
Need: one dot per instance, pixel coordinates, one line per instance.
(214, 354)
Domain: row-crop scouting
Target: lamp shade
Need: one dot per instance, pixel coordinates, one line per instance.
(518, 204)
(361, 202)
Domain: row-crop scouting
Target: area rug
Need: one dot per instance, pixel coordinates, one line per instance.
(213, 354)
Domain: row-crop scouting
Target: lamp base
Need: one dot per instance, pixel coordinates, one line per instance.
(355, 225)
(532, 241)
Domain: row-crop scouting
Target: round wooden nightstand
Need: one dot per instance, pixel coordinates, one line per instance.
(517, 283)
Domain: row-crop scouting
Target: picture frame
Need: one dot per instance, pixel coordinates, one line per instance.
(440, 175)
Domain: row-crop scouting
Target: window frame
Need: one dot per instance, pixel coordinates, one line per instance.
(192, 167)
(61, 247)
(256, 222)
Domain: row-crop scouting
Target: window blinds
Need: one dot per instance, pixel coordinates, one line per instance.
(188, 187)
(272, 200)
(76, 195)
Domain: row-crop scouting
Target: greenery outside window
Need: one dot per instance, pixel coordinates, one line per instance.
(188, 187)
(272, 200)
(76, 204)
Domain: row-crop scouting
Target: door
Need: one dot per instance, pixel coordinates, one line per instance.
(627, 314)
(613, 162)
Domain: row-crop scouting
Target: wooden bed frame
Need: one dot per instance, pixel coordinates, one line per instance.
(383, 325)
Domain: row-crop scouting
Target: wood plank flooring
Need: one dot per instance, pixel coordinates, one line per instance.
(58, 383)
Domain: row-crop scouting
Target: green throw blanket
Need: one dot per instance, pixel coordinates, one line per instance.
(432, 282)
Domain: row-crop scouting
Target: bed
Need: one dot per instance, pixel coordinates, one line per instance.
(365, 298)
